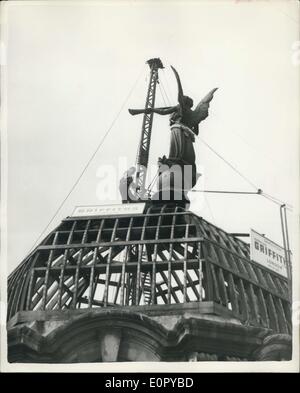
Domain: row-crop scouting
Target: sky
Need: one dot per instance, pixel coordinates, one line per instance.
(70, 69)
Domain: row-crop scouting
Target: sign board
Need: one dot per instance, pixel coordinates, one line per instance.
(267, 253)
(109, 210)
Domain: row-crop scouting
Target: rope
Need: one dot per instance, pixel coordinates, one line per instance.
(90, 160)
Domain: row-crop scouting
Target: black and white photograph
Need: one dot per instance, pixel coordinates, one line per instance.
(150, 186)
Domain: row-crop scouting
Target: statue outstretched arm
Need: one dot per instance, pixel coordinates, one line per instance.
(160, 111)
(165, 111)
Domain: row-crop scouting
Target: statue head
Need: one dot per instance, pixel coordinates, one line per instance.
(188, 101)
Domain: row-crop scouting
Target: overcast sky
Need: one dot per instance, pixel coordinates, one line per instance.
(70, 67)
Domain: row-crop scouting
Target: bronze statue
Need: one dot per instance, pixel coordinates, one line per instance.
(184, 123)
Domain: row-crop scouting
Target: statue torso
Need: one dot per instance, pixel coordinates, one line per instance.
(184, 117)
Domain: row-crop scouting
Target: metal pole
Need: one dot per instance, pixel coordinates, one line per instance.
(200, 269)
(286, 252)
(289, 261)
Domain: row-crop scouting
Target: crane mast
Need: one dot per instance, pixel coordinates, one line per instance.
(144, 146)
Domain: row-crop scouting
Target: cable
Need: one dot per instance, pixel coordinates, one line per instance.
(162, 94)
(277, 201)
(149, 188)
(229, 164)
(165, 92)
(167, 83)
(259, 191)
(229, 192)
(89, 161)
(271, 199)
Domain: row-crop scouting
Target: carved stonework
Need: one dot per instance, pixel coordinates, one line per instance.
(276, 347)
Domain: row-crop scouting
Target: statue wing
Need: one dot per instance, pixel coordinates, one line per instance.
(180, 91)
(201, 110)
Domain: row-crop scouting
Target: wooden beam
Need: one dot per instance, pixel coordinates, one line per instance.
(118, 243)
(105, 296)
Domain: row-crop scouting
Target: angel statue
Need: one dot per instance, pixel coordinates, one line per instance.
(184, 124)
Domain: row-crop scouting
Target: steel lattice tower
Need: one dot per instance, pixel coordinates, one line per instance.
(144, 146)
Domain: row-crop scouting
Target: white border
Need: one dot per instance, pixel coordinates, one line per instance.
(192, 367)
